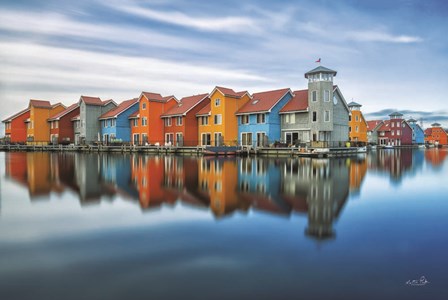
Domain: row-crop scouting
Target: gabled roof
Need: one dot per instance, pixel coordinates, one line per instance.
(396, 114)
(185, 105)
(205, 111)
(16, 115)
(299, 102)
(229, 92)
(263, 101)
(156, 97)
(122, 107)
(106, 102)
(354, 104)
(40, 103)
(135, 115)
(64, 112)
(371, 125)
(91, 100)
(320, 69)
(385, 126)
(435, 124)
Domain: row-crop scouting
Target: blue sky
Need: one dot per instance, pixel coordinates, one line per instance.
(390, 55)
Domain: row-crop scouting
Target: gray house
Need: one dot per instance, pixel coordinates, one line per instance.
(372, 131)
(319, 115)
(87, 126)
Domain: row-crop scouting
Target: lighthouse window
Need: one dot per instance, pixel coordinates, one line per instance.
(314, 96)
(327, 96)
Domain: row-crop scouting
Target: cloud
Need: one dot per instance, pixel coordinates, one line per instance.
(222, 24)
(379, 36)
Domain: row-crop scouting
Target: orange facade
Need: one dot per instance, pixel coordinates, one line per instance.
(147, 126)
(436, 135)
(38, 130)
(357, 127)
(15, 127)
(221, 126)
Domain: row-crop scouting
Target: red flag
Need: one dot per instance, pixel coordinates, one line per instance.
(318, 61)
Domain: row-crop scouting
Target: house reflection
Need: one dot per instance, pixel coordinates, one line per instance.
(435, 157)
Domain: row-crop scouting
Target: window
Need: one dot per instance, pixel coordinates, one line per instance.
(217, 119)
(398, 132)
(144, 121)
(135, 122)
(261, 139)
(357, 129)
(206, 139)
(245, 119)
(168, 122)
(217, 102)
(204, 120)
(349, 118)
(169, 138)
(179, 121)
(290, 118)
(143, 106)
(357, 118)
(261, 118)
(246, 139)
(314, 116)
(314, 96)
(327, 116)
(327, 96)
(404, 125)
(218, 139)
(179, 138)
(393, 132)
(398, 124)
(349, 129)
(392, 124)
(114, 122)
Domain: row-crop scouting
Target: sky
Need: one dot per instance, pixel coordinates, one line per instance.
(390, 55)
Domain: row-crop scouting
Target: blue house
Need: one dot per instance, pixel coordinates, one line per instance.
(418, 135)
(115, 124)
(259, 119)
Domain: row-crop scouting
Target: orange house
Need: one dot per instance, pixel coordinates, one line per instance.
(147, 126)
(15, 126)
(181, 125)
(38, 130)
(219, 125)
(357, 124)
(436, 135)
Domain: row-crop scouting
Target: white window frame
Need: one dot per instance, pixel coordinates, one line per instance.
(179, 121)
(326, 113)
(217, 102)
(314, 96)
(216, 118)
(263, 117)
(312, 117)
(245, 119)
(326, 96)
(168, 122)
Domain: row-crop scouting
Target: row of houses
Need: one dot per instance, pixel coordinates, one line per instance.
(318, 116)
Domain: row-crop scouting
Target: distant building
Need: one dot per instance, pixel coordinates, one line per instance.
(217, 123)
(147, 126)
(115, 124)
(181, 125)
(395, 131)
(87, 126)
(61, 126)
(319, 115)
(15, 126)
(38, 130)
(372, 131)
(258, 119)
(436, 135)
(357, 124)
(418, 135)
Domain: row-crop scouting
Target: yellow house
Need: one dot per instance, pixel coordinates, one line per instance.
(217, 122)
(357, 124)
(38, 128)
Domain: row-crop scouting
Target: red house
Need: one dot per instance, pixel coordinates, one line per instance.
(181, 125)
(61, 125)
(15, 126)
(395, 131)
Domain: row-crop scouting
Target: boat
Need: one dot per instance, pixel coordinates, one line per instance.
(362, 149)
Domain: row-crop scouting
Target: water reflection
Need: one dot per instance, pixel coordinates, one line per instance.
(317, 188)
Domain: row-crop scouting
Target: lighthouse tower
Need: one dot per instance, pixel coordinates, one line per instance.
(321, 104)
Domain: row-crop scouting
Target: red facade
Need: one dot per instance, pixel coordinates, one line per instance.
(15, 126)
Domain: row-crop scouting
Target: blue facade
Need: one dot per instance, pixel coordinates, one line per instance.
(271, 126)
(418, 135)
(118, 128)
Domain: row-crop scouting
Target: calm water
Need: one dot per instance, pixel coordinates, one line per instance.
(88, 226)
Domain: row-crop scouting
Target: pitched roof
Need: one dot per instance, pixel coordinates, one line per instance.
(40, 103)
(123, 106)
(385, 126)
(229, 92)
(16, 115)
(320, 69)
(185, 105)
(263, 101)
(354, 104)
(297, 103)
(371, 125)
(106, 102)
(64, 112)
(91, 100)
(134, 115)
(205, 110)
(435, 124)
(396, 114)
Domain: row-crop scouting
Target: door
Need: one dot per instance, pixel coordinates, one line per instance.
(136, 139)
(218, 139)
